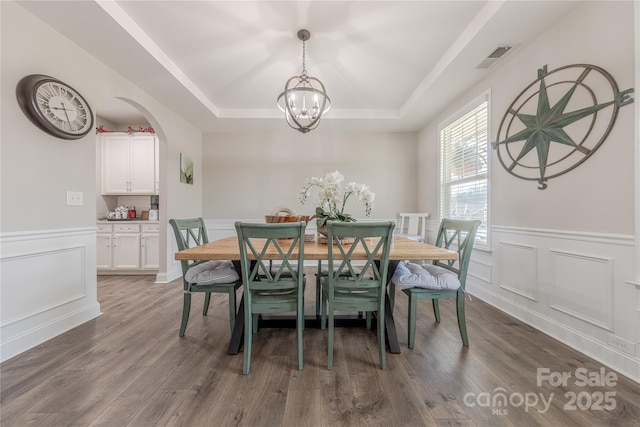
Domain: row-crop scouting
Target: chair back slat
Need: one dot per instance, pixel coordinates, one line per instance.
(459, 236)
(260, 244)
(374, 239)
(189, 233)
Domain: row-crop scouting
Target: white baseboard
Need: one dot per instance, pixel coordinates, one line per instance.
(36, 336)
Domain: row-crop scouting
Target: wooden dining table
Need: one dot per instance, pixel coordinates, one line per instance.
(402, 248)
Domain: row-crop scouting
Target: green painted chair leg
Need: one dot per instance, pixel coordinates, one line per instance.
(368, 314)
(330, 343)
(186, 308)
(436, 309)
(462, 323)
(246, 366)
(413, 306)
(207, 299)
(300, 327)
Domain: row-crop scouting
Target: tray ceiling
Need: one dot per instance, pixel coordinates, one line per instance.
(387, 65)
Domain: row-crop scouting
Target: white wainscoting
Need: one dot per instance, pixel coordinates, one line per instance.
(48, 285)
(524, 280)
(572, 274)
(572, 286)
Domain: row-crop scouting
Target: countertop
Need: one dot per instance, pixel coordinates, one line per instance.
(126, 221)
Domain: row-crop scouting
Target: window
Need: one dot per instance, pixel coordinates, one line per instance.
(464, 167)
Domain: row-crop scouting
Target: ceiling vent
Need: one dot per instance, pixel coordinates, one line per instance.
(495, 55)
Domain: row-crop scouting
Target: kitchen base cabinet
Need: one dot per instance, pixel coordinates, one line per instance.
(126, 251)
(150, 247)
(128, 248)
(103, 247)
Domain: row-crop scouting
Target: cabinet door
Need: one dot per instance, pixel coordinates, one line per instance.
(115, 164)
(103, 251)
(126, 251)
(150, 248)
(143, 164)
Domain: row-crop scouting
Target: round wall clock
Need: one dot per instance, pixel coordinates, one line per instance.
(54, 106)
(558, 121)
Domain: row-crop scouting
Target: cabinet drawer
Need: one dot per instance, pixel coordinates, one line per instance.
(150, 228)
(126, 228)
(103, 228)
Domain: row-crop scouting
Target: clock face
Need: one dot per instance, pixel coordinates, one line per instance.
(54, 106)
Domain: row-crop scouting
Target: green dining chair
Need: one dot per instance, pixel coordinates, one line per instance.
(203, 276)
(356, 285)
(267, 291)
(455, 235)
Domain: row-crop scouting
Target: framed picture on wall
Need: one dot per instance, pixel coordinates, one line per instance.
(186, 169)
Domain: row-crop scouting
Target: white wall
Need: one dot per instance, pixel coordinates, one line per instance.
(562, 259)
(41, 237)
(247, 175)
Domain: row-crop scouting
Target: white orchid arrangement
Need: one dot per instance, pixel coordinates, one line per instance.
(332, 199)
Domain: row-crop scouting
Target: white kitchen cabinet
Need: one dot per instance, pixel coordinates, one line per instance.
(150, 247)
(127, 247)
(129, 163)
(104, 247)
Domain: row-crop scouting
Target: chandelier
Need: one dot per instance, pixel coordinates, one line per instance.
(304, 99)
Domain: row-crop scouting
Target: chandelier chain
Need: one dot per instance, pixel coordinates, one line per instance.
(304, 62)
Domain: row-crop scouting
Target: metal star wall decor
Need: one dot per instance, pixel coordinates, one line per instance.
(574, 106)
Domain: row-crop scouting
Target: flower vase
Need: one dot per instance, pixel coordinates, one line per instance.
(323, 230)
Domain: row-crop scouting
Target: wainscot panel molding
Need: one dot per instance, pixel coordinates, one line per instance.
(577, 287)
(614, 239)
(522, 279)
(572, 274)
(48, 285)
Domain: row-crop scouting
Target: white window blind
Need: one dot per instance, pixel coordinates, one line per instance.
(463, 169)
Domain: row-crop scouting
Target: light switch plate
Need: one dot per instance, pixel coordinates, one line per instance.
(74, 198)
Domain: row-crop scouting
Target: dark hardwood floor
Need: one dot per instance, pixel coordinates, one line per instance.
(129, 368)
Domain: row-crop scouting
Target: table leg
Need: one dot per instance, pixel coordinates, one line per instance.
(238, 331)
(389, 323)
(390, 327)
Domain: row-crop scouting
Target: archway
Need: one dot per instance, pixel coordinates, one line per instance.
(121, 116)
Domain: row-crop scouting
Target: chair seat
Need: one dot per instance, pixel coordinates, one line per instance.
(211, 273)
(410, 275)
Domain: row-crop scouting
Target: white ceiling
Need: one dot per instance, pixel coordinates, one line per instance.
(387, 65)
